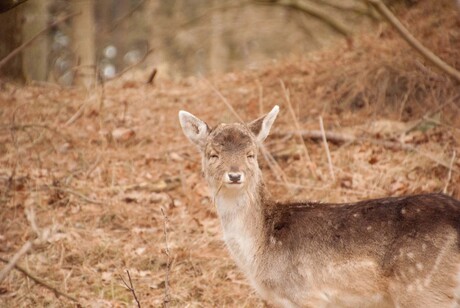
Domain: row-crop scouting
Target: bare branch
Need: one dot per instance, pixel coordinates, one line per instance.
(312, 10)
(167, 297)
(449, 174)
(40, 281)
(340, 138)
(412, 41)
(127, 15)
(152, 76)
(326, 146)
(297, 127)
(132, 65)
(130, 287)
(9, 4)
(12, 262)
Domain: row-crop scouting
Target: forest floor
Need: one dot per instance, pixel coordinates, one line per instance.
(103, 182)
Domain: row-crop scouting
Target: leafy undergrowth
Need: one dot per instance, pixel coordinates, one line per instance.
(95, 169)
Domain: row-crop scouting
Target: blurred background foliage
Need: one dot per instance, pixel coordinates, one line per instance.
(81, 41)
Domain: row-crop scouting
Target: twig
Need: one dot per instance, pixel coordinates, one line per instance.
(431, 113)
(40, 281)
(12, 263)
(8, 5)
(41, 237)
(152, 76)
(312, 10)
(167, 297)
(297, 126)
(130, 287)
(341, 8)
(132, 65)
(274, 167)
(393, 145)
(75, 193)
(261, 97)
(326, 146)
(76, 115)
(409, 38)
(449, 174)
(15, 127)
(29, 42)
(122, 18)
(220, 8)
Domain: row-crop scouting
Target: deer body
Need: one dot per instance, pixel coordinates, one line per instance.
(390, 252)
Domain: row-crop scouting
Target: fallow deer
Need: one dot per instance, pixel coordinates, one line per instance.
(389, 252)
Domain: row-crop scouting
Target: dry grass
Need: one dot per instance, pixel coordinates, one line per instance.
(98, 170)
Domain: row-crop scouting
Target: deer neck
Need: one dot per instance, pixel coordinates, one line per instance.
(241, 217)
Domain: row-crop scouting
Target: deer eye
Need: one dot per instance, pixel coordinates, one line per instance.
(251, 155)
(213, 156)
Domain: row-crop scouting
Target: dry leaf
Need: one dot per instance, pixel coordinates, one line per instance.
(123, 134)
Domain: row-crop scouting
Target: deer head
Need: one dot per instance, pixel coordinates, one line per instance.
(229, 151)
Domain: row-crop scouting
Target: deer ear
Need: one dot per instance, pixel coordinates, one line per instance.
(261, 127)
(196, 130)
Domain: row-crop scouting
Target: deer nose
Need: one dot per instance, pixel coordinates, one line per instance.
(234, 177)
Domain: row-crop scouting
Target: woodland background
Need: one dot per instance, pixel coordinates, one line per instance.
(97, 180)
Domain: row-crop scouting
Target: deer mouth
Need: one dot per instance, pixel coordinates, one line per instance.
(233, 184)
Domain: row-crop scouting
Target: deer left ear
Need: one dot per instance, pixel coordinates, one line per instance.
(196, 130)
(261, 127)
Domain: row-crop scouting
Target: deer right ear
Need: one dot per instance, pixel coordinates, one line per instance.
(261, 127)
(196, 130)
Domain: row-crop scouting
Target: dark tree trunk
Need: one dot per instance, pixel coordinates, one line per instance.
(10, 38)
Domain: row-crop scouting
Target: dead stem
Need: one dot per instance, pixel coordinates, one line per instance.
(130, 287)
(40, 281)
(12, 262)
(307, 158)
(449, 174)
(167, 296)
(326, 146)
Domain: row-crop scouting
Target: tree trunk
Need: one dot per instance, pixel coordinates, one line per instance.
(35, 57)
(218, 51)
(83, 41)
(10, 38)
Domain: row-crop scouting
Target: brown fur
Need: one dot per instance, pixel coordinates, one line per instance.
(389, 252)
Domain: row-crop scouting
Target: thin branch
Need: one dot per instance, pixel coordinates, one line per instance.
(449, 174)
(297, 127)
(412, 41)
(220, 8)
(40, 281)
(42, 236)
(127, 15)
(167, 296)
(326, 146)
(341, 138)
(16, 51)
(76, 193)
(132, 65)
(431, 113)
(350, 8)
(8, 5)
(12, 263)
(312, 10)
(130, 287)
(152, 76)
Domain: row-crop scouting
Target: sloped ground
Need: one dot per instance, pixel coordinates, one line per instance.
(96, 168)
